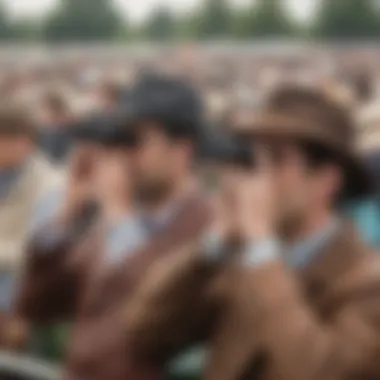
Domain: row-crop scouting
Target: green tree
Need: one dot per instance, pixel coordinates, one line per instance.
(187, 26)
(26, 29)
(5, 24)
(342, 19)
(214, 20)
(83, 20)
(161, 25)
(264, 18)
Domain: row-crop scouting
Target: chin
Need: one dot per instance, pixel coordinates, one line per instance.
(289, 225)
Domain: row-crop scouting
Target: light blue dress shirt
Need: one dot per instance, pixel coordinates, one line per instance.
(305, 251)
(124, 237)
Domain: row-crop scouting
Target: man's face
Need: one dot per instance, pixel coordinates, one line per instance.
(301, 190)
(14, 150)
(156, 162)
(293, 187)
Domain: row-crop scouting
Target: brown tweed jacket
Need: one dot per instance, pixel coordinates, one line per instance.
(270, 323)
(73, 281)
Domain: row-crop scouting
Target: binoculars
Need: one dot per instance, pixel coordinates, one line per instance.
(104, 129)
(223, 148)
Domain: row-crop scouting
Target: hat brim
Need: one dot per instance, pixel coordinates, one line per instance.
(281, 126)
(359, 182)
(108, 129)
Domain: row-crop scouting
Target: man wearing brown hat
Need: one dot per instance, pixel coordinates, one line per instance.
(300, 299)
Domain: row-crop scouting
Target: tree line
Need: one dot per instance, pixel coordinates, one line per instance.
(93, 20)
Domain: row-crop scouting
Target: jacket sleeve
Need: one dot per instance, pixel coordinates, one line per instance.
(174, 307)
(49, 287)
(298, 343)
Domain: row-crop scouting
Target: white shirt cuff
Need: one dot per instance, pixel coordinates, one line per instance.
(212, 245)
(261, 252)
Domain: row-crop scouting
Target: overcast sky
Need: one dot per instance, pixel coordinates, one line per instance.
(138, 9)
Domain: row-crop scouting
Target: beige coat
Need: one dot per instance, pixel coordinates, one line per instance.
(16, 214)
(16, 210)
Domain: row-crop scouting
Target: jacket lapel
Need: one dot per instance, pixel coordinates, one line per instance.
(234, 342)
(344, 253)
(116, 283)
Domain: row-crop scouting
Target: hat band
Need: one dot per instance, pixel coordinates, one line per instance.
(280, 125)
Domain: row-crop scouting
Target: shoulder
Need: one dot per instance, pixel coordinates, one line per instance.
(49, 176)
(360, 285)
(47, 206)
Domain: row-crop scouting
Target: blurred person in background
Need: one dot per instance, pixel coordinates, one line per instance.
(55, 119)
(63, 253)
(77, 193)
(25, 179)
(108, 96)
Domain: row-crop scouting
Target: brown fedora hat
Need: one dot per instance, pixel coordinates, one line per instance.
(309, 115)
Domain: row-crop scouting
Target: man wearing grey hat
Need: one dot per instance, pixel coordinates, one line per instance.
(88, 271)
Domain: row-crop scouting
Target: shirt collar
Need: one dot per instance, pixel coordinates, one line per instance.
(124, 237)
(121, 223)
(155, 221)
(306, 250)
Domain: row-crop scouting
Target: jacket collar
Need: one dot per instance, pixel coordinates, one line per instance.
(303, 252)
(343, 253)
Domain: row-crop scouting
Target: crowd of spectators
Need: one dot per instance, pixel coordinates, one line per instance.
(44, 101)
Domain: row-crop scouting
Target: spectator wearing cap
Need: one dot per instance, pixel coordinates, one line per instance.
(25, 178)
